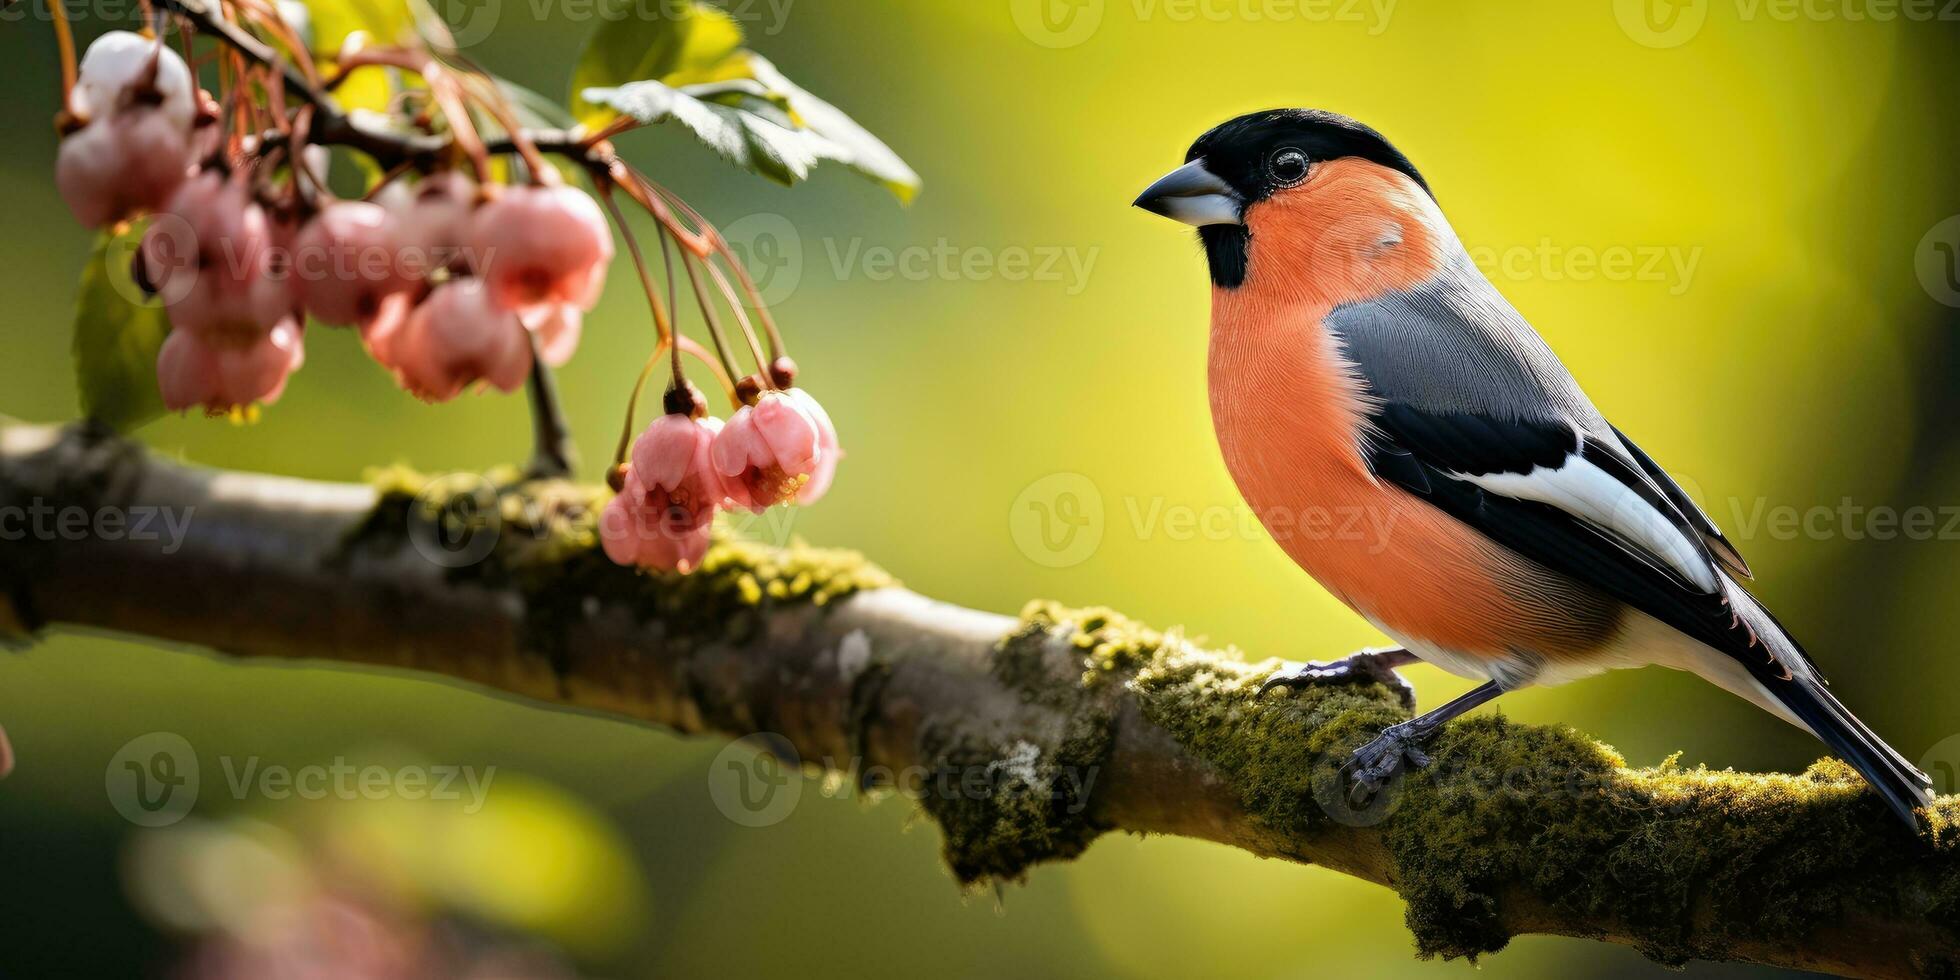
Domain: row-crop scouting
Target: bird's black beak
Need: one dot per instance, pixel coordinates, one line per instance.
(1195, 196)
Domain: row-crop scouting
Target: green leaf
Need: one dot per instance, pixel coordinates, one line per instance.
(117, 339)
(849, 143)
(639, 42)
(743, 132)
(687, 64)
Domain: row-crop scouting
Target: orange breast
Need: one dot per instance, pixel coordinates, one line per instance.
(1290, 414)
(1289, 427)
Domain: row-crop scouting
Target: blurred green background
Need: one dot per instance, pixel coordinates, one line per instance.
(1726, 220)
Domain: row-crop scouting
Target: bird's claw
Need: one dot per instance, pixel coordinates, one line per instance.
(1375, 764)
(1366, 667)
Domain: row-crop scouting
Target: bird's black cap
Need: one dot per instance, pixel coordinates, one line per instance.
(1240, 151)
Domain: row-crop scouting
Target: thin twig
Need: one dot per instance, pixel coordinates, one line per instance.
(553, 455)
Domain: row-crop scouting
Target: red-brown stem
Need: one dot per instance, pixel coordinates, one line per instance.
(714, 322)
(776, 346)
(667, 262)
(662, 324)
(633, 403)
(64, 39)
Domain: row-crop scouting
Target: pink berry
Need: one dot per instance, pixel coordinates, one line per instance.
(557, 328)
(122, 70)
(767, 452)
(432, 221)
(126, 163)
(829, 452)
(671, 460)
(633, 533)
(223, 371)
(542, 245)
(210, 256)
(457, 338)
(380, 331)
(345, 261)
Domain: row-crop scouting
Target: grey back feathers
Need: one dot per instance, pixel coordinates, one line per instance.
(1455, 344)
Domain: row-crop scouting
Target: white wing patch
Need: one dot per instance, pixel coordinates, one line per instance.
(1589, 493)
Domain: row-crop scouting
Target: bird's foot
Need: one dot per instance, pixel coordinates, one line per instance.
(1375, 764)
(1365, 667)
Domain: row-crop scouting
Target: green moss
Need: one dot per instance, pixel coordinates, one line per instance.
(1686, 861)
(543, 542)
(1028, 801)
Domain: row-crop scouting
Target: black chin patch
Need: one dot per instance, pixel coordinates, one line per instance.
(1226, 252)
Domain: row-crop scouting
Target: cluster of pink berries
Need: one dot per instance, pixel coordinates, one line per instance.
(131, 119)
(451, 284)
(778, 448)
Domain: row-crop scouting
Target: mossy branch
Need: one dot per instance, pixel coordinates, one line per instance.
(1033, 735)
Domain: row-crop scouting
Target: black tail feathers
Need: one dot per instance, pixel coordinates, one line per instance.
(1903, 786)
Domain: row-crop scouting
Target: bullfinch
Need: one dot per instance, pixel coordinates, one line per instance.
(1361, 365)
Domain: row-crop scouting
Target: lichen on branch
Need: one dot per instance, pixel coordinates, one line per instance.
(1684, 862)
(1050, 730)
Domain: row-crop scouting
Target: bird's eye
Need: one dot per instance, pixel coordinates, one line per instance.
(1288, 167)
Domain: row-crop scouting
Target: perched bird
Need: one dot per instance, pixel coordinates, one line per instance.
(1362, 366)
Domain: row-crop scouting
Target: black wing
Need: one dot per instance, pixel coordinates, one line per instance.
(1452, 459)
(1712, 536)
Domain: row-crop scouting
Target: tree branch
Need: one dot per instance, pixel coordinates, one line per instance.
(1024, 739)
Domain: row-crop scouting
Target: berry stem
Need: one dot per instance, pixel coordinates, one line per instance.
(633, 403)
(64, 38)
(662, 322)
(553, 456)
(776, 346)
(667, 261)
(714, 322)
